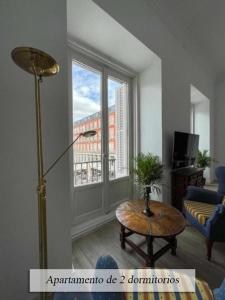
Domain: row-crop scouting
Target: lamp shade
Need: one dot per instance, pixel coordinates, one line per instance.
(35, 61)
(89, 133)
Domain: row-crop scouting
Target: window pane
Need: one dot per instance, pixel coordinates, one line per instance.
(87, 116)
(117, 128)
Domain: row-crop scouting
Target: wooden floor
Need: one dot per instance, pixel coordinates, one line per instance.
(191, 253)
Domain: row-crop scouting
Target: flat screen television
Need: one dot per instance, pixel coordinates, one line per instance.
(185, 149)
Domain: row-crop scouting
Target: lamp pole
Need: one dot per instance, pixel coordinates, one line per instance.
(41, 189)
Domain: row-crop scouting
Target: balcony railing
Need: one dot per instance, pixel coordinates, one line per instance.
(90, 171)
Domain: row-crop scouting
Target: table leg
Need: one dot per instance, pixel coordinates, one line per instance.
(173, 245)
(150, 261)
(122, 237)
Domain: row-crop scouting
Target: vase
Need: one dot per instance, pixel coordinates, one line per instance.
(147, 210)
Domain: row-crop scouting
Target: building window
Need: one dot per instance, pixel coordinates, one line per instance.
(118, 123)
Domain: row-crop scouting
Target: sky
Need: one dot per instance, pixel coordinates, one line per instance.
(87, 92)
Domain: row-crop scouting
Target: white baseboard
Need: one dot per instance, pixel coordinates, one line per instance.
(89, 226)
(94, 222)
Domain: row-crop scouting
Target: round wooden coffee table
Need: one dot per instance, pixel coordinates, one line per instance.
(167, 222)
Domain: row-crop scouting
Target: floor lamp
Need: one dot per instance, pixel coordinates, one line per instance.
(40, 64)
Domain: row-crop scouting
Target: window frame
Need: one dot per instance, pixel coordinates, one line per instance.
(107, 71)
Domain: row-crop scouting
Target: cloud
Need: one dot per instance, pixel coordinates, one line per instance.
(86, 82)
(83, 107)
(87, 91)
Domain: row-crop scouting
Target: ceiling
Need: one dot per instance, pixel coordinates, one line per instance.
(88, 24)
(199, 25)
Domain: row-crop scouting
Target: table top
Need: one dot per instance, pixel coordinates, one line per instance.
(166, 221)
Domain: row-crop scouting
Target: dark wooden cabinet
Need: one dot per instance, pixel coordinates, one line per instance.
(181, 179)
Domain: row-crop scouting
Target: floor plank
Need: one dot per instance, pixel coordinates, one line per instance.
(191, 253)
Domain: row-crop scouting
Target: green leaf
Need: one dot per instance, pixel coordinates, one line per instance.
(148, 170)
(204, 160)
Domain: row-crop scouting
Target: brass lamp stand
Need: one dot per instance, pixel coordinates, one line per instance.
(40, 64)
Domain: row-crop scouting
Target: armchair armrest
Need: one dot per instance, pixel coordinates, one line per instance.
(215, 225)
(202, 195)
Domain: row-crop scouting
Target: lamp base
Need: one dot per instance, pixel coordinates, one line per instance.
(148, 213)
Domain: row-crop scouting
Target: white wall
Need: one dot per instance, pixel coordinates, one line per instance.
(202, 124)
(220, 123)
(201, 121)
(179, 69)
(202, 127)
(150, 84)
(40, 24)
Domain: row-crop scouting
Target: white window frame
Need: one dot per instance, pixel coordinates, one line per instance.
(101, 64)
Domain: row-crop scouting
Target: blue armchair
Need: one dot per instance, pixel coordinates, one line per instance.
(205, 210)
(220, 175)
(219, 294)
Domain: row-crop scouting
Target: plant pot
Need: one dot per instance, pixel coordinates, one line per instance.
(147, 210)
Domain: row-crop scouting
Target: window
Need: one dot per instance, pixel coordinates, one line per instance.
(86, 103)
(90, 107)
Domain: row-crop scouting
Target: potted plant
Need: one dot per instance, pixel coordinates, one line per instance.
(204, 160)
(149, 172)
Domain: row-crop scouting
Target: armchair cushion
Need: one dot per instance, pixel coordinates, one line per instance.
(107, 262)
(202, 195)
(199, 210)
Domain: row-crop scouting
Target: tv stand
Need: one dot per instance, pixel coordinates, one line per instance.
(181, 179)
